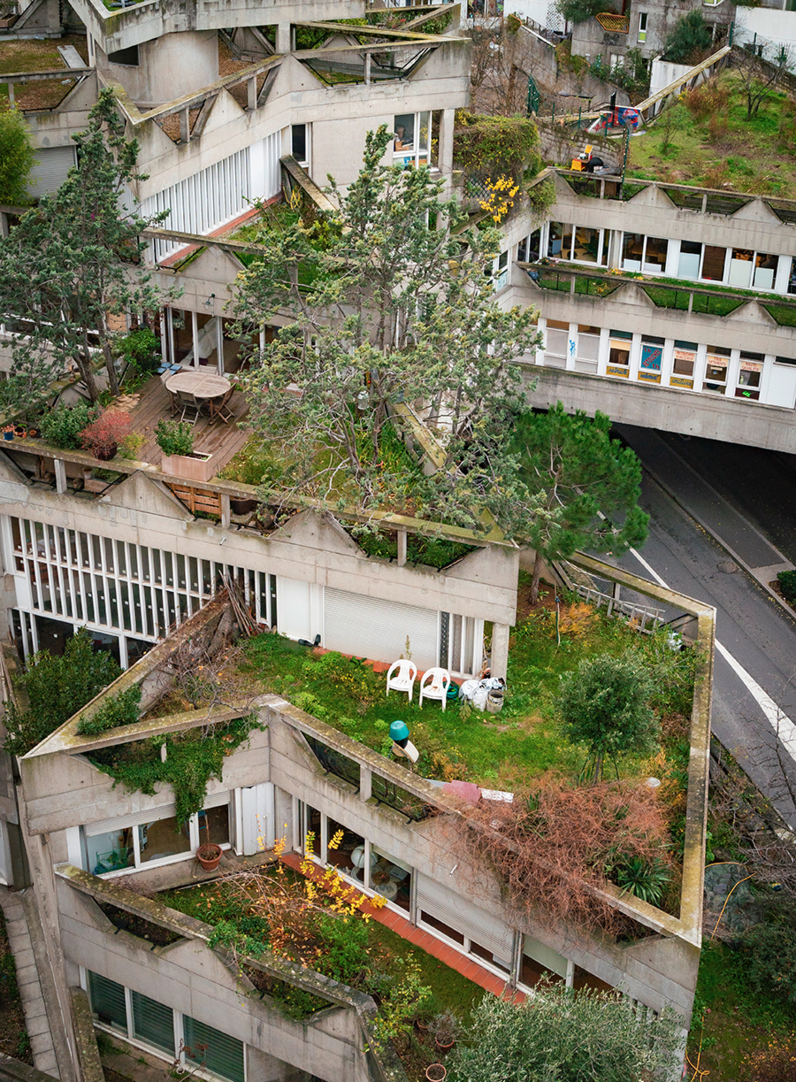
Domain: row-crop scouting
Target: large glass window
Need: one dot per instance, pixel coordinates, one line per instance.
(194, 1044)
(619, 356)
(412, 139)
(211, 1050)
(529, 248)
(158, 839)
(690, 256)
(749, 376)
(717, 362)
(108, 1002)
(765, 270)
(642, 253)
(713, 263)
(153, 1022)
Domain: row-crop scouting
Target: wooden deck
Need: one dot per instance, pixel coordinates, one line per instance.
(216, 438)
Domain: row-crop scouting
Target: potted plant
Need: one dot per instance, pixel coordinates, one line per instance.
(209, 856)
(8, 432)
(20, 431)
(445, 1028)
(175, 440)
(436, 1072)
(102, 437)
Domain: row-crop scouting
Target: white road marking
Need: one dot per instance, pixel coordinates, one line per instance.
(774, 715)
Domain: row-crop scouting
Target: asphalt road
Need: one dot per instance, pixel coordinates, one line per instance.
(752, 628)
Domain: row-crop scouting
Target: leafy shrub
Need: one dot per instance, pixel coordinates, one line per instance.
(769, 949)
(604, 704)
(492, 145)
(578, 11)
(787, 583)
(344, 944)
(141, 349)
(57, 687)
(570, 1037)
(689, 39)
(102, 437)
(174, 437)
(63, 425)
(122, 709)
(646, 879)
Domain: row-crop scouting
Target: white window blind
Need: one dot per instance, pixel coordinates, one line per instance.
(377, 629)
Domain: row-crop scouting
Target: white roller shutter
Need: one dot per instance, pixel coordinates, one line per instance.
(459, 913)
(376, 629)
(50, 169)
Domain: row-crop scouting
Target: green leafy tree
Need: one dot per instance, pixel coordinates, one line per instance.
(70, 264)
(689, 39)
(604, 704)
(16, 156)
(390, 303)
(561, 1036)
(56, 688)
(579, 474)
(578, 11)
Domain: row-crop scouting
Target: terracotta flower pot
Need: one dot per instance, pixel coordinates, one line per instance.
(436, 1072)
(444, 1043)
(209, 856)
(105, 454)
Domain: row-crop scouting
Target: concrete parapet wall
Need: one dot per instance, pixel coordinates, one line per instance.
(669, 409)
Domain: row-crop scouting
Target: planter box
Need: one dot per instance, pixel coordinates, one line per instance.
(197, 467)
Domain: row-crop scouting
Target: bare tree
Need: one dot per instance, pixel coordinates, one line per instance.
(761, 68)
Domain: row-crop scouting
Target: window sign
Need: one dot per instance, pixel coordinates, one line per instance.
(716, 364)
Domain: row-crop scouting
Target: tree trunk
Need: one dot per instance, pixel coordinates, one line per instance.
(113, 379)
(537, 574)
(84, 364)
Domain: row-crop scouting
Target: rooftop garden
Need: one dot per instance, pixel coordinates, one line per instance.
(706, 139)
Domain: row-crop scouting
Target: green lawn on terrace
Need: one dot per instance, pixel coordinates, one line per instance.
(721, 148)
(499, 751)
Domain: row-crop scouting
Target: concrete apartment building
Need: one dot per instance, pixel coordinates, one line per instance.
(298, 775)
(664, 305)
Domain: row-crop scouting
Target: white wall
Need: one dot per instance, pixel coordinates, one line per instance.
(774, 26)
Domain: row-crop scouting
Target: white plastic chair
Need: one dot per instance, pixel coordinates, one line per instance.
(434, 685)
(404, 678)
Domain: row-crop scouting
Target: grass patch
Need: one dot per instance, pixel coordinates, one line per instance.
(714, 147)
(505, 750)
(732, 1019)
(708, 304)
(452, 991)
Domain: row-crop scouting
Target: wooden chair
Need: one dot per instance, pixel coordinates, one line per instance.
(221, 409)
(404, 676)
(191, 406)
(434, 685)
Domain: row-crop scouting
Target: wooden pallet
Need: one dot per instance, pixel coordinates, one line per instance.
(198, 499)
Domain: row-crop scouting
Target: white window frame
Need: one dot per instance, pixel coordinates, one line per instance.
(179, 1033)
(500, 271)
(410, 156)
(156, 815)
(643, 267)
(305, 163)
(642, 26)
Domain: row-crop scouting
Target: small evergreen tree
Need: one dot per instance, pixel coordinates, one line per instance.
(689, 39)
(70, 264)
(16, 156)
(577, 472)
(56, 688)
(604, 704)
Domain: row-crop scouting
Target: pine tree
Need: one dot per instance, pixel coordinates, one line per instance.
(579, 475)
(70, 265)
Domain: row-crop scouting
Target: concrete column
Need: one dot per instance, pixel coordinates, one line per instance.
(185, 126)
(368, 59)
(365, 782)
(446, 141)
(401, 548)
(283, 38)
(251, 87)
(500, 650)
(225, 510)
(60, 475)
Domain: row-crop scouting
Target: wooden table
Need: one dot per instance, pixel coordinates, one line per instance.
(198, 383)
